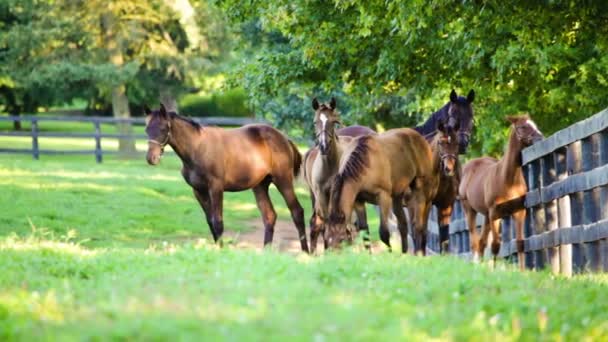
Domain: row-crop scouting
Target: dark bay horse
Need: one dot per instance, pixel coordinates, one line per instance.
(321, 164)
(457, 111)
(487, 183)
(390, 169)
(217, 160)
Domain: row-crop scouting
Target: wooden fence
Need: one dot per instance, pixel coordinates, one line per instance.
(37, 131)
(566, 225)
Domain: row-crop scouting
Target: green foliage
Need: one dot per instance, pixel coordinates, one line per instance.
(67, 49)
(395, 62)
(231, 103)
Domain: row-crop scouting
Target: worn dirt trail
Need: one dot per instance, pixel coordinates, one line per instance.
(286, 239)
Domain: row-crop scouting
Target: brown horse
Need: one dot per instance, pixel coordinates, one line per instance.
(384, 169)
(320, 167)
(487, 183)
(217, 160)
(446, 145)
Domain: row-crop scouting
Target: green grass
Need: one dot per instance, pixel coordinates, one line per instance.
(121, 251)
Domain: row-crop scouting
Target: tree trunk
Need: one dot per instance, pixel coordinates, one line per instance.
(120, 109)
(167, 99)
(120, 102)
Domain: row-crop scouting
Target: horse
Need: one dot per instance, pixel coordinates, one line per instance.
(446, 144)
(217, 160)
(488, 184)
(321, 165)
(390, 169)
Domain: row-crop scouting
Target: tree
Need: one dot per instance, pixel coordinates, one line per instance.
(121, 50)
(394, 61)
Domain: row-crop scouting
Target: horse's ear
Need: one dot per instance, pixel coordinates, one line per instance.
(512, 119)
(453, 96)
(315, 104)
(147, 110)
(332, 103)
(471, 96)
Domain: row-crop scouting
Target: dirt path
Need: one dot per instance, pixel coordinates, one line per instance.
(286, 238)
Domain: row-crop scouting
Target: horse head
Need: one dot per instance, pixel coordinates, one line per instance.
(460, 111)
(158, 129)
(326, 118)
(525, 129)
(447, 147)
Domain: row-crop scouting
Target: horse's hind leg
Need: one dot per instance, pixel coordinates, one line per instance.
(384, 202)
(216, 212)
(297, 213)
(203, 199)
(269, 216)
(362, 223)
(401, 222)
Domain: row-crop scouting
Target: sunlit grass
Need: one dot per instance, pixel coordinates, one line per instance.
(120, 250)
(53, 287)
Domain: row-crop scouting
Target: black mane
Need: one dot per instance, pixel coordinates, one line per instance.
(174, 115)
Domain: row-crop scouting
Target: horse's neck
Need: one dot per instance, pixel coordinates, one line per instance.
(510, 164)
(331, 160)
(436, 158)
(182, 139)
(428, 128)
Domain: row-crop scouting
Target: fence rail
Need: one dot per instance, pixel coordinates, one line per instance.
(566, 225)
(97, 133)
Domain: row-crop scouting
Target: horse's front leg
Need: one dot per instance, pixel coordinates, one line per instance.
(216, 196)
(362, 226)
(443, 219)
(385, 204)
(401, 221)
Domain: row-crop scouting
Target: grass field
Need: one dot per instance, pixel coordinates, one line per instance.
(120, 251)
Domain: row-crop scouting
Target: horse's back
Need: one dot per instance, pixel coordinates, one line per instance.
(409, 146)
(354, 131)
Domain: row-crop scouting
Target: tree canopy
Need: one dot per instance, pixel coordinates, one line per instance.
(394, 62)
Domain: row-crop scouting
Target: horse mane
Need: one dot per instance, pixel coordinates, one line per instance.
(357, 161)
(186, 119)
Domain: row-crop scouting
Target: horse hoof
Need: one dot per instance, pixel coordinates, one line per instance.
(476, 258)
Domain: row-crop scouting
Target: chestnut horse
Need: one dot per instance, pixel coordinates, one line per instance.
(487, 183)
(217, 160)
(384, 169)
(320, 167)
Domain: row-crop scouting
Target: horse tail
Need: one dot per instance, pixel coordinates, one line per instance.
(297, 158)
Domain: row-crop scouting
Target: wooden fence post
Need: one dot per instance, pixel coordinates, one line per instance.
(98, 151)
(551, 215)
(35, 150)
(563, 209)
